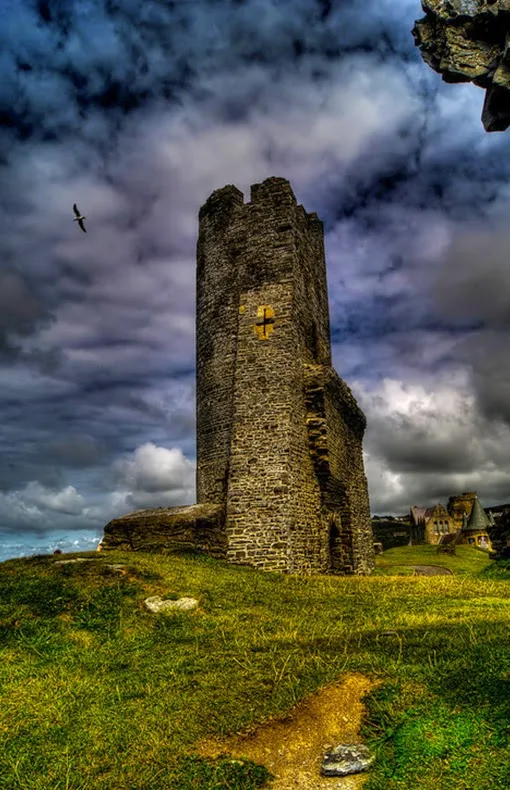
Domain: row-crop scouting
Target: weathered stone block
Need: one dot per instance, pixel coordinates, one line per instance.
(175, 528)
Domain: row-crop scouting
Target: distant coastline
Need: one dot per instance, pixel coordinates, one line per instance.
(13, 546)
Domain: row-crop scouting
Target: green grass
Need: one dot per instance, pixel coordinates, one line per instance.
(98, 692)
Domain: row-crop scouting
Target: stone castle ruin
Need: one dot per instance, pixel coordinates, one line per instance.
(280, 477)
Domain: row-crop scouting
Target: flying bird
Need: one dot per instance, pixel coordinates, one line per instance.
(79, 218)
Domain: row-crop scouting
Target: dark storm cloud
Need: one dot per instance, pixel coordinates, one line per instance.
(63, 62)
(78, 451)
(481, 291)
(431, 447)
(425, 442)
(411, 168)
(21, 314)
(475, 282)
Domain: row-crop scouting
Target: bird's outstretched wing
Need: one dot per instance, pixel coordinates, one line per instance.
(75, 209)
(82, 226)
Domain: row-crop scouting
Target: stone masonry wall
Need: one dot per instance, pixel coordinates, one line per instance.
(336, 426)
(273, 497)
(216, 335)
(347, 423)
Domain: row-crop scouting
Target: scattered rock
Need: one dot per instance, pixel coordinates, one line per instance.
(78, 559)
(347, 758)
(292, 747)
(431, 570)
(156, 604)
(116, 567)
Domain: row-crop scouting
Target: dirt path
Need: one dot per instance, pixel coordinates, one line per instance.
(293, 748)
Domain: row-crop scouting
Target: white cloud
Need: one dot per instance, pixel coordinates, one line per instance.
(67, 500)
(155, 470)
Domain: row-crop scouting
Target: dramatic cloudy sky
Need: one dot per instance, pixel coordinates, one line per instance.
(138, 111)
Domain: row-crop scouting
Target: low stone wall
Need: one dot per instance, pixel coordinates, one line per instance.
(173, 529)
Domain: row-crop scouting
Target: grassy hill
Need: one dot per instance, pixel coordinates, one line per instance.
(98, 692)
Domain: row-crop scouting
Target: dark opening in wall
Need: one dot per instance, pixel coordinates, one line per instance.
(335, 547)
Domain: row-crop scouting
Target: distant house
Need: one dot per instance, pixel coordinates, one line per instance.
(474, 530)
(429, 524)
(432, 525)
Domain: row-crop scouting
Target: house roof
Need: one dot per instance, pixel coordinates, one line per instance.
(418, 514)
(421, 514)
(478, 520)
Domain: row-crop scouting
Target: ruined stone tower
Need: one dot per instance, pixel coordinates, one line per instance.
(279, 435)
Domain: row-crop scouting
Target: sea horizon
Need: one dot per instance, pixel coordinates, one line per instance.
(14, 546)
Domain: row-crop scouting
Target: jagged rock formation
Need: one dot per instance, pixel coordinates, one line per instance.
(468, 41)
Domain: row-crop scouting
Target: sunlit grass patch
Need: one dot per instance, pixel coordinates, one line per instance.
(98, 689)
